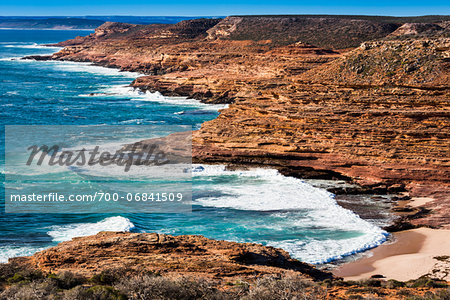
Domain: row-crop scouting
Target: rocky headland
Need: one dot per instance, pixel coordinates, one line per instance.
(118, 265)
(168, 255)
(363, 99)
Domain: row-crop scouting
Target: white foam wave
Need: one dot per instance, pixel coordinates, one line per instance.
(30, 46)
(7, 252)
(82, 67)
(325, 251)
(138, 95)
(61, 233)
(268, 190)
(118, 90)
(92, 69)
(13, 58)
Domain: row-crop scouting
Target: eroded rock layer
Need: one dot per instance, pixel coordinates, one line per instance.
(377, 114)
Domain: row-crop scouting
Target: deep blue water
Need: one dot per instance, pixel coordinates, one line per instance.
(252, 206)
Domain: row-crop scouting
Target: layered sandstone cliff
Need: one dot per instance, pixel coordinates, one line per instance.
(377, 115)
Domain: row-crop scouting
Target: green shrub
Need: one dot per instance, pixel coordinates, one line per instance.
(108, 277)
(153, 287)
(67, 280)
(425, 281)
(403, 292)
(291, 287)
(16, 278)
(37, 290)
(370, 283)
(392, 284)
(25, 275)
(97, 292)
(437, 295)
(328, 283)
(442, 294)
(7, 271)
(350, 283)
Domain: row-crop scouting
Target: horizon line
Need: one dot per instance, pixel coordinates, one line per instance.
(230, 15)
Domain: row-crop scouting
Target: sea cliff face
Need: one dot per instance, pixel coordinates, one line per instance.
(377, 114)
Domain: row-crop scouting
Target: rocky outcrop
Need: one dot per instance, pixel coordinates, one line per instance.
(109, 28)
(224, 28)
(195, 256)
(377, 115)
(119, 265)
(417, 29)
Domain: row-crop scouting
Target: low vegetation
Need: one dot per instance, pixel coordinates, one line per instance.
(17, 282)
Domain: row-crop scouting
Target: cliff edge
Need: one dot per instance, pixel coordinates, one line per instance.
(376, 114)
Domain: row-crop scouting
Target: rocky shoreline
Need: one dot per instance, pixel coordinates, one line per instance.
(168, 255)
(371, 109)
(375, 115)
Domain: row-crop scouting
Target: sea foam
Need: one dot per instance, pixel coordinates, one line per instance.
(29, 46)
(88, 67)
(295, 205)
(138, 95)
(7, 252)
(61, 233)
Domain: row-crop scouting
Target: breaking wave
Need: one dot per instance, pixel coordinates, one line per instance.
(61, 233)
(294, 206)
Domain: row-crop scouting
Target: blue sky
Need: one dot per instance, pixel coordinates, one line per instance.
(220, 7)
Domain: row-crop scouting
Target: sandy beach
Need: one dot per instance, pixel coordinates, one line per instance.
(411, 254)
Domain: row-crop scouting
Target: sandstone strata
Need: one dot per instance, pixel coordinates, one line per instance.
(377, 115)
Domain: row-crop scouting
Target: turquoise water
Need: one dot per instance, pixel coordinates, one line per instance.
(247, 206)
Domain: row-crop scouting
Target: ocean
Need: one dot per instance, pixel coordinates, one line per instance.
(259, 205)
